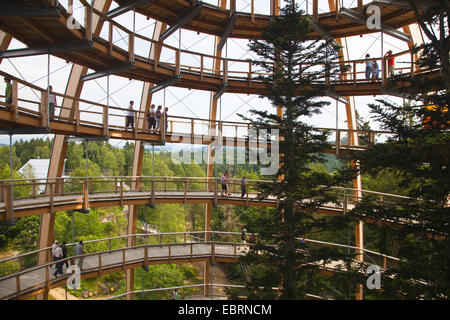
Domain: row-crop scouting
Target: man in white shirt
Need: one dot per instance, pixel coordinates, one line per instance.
(58, 256)
(129, 120)
(51, 101)
(152, 118)
(54, 246)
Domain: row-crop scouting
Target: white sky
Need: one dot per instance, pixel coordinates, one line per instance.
(184, 102)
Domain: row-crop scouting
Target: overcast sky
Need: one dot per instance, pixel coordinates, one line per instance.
(184, 102)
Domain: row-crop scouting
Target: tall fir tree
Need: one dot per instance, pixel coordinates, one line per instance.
(299, 73)
(419, 151)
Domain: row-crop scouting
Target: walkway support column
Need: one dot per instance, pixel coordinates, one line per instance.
(211, 155)
(146, 99)
(59, 148)
(353, 139)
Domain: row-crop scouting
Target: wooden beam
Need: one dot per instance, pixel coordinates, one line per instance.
(59, 147)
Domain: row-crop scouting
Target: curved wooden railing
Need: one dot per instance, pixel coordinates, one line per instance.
(88, 117)
(180, 61)
(117, 258)
(232, 69)
(54, 191)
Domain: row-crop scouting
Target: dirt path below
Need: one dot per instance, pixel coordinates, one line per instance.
(9, 254)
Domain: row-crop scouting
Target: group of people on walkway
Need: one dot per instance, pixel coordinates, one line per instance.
(224, 181)
(154, 116)
(59, 252)
(373, 69)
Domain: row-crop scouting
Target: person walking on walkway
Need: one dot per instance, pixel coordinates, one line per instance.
(224, 183)
(158, 118)
(79, 251)
(58, 256)
(54, 246)
(8, 91)
(243, 187)
(368, 67)
(243, 238)
(51, 101)
(130, 116)
(152, 118)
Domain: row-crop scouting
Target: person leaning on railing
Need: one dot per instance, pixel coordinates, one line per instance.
(51, 101)
(8, 91)
(390, 62)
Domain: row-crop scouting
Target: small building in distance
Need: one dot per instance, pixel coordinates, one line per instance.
(37, 169)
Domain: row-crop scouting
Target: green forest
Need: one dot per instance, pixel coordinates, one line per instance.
(106, 160)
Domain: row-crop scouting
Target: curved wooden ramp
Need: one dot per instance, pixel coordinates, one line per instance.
(36, 280)
(185, 247)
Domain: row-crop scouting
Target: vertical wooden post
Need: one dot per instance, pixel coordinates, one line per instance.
(250, 73)
(33, 183)
(85, 196)
(18, 286)
(124, 261)
(47, 279)
(225, 71)
(110, 38)
(61, 186)
(215, 192)
(77, 115)
(88, 23)
(345, 204)
(106, 122)
(43, 110)
(316, 9)
(121, 193)
(185, 191)
(192, 130)
(153, 192)
(52, 190)
(201, 67)
(338, 142)
(252, 11)
(99, 264)
(177, 63)
(360, 7)
(232, 6)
